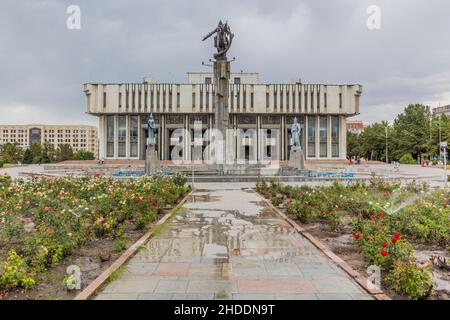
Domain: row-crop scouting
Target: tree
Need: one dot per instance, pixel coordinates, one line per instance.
(27, 157)
(373, 141)
(440, 131)
(353, 144)
(412, 131)
(64, 152)
(36, 152)
(83, 155)
(12, 153)
(48, 153)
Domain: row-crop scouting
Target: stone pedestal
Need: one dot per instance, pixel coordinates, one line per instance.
(297, 158)
(221, 115)
(151, 160)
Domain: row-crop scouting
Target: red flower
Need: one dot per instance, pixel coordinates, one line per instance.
(46, 209)
(98, 175)
(384, 245)
(384, 253)
(381, 215)
(356, 236)
(372, 217)
(50, 230)
(394, 240)
(397, 235)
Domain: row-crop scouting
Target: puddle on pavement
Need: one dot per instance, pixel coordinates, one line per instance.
(216, 226)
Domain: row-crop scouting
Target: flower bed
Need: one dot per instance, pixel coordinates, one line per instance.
(45, 220)
(386, 222)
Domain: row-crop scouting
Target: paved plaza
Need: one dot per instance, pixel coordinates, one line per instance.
(225, 243)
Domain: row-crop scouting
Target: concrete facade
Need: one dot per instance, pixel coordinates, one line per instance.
(77, 136)
(442, 110)
(123, 109)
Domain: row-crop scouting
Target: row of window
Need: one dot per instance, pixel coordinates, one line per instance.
(311, 99)
(280, 97)
(133, 135)
(46, 131)
(122, 136)
(24, 142)
(323, 133)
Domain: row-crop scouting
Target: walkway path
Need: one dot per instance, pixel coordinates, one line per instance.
(227, 244)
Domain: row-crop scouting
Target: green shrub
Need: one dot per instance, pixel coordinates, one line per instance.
(407, 158)
(120, 244)
(1, 163)
(179, 179)
(46, 219)
(414, 281)
(144, 219)
(15, 273)
(427, 221)
(377, 243)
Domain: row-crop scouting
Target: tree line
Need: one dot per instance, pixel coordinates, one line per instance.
(41, 153)
(414, 134)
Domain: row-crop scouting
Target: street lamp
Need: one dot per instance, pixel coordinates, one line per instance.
(386, 130)
(192, 163)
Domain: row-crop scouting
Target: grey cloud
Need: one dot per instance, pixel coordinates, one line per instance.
(43, 65)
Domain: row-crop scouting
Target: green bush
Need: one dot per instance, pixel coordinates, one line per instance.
(1, 163)
(15, 273)
(427, 221)
(45, 220)
(414, 281)
(407, 158)
(378, 244)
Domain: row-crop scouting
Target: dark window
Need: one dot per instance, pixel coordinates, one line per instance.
(311, 136)
(237, 80)
(110, 136)
(122, 136)
(133, 136)
(323, 135)
(335, 136)
(208, 80)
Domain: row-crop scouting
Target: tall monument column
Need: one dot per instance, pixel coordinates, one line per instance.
(222, 42)
(222, 83)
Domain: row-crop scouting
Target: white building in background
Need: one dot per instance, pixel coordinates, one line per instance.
(442, 110)
(355, 126)
(321, 109)
(79, 137)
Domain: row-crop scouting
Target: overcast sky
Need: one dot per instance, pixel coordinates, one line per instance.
(43, 64)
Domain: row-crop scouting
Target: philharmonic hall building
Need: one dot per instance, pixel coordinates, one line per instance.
(321, 109)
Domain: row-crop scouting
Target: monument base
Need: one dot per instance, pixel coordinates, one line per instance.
(297, 158)
(151, 160)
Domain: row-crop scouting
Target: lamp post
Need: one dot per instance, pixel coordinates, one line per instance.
(192, 164)
(386, 130)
